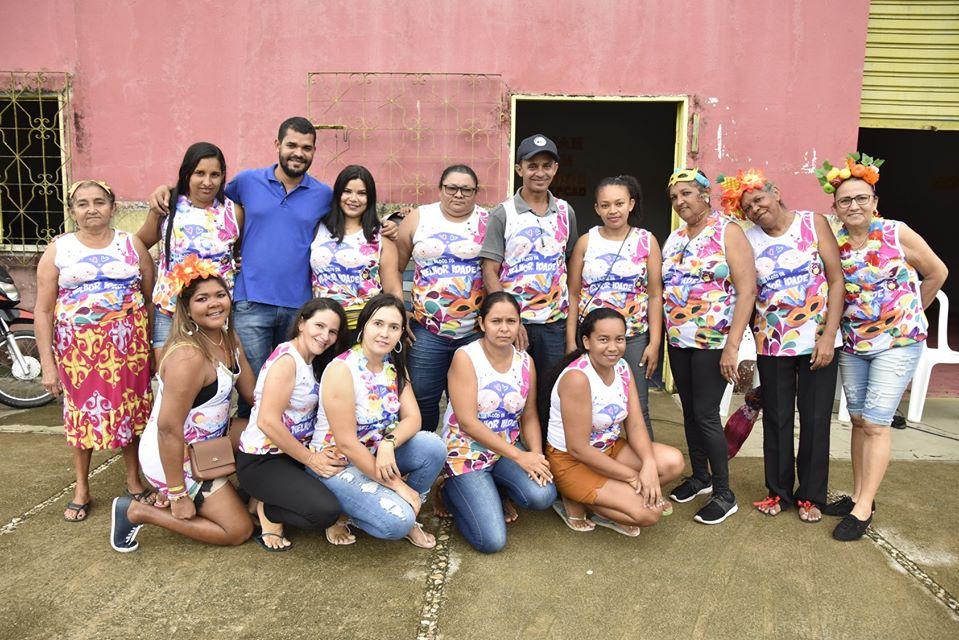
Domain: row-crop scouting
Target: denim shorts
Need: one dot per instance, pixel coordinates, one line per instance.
(874, 382)
(162, 323)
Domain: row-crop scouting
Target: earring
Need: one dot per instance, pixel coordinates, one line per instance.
(359, 337)
(196, 327)
(226, 325)
(399, 346)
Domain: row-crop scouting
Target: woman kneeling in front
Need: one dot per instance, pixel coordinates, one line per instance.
(593, 402)
(492, 388)
(368, 413)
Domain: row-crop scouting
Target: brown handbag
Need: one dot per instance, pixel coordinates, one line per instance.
(212, 459)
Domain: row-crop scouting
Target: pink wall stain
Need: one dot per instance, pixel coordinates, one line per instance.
(782, 79)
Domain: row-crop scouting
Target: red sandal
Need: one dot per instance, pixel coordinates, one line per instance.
(805, 508)
(766, 504)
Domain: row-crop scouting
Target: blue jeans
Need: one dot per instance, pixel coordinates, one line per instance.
(430, 359)
(162, 324)
(547, 346)
(379, 511)
(874, 382)
(474, 500)
(260, 327)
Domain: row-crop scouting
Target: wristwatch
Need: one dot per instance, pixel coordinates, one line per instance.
(391, 438)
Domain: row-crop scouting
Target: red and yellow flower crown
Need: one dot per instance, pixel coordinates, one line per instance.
(858, 165)
(190, 269)
(735, 186)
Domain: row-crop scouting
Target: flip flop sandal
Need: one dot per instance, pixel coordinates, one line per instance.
(144, 496)
(260, 541)
(805, 507)
(768, 503)
(340, 544)
(416, 544)
(617, 527)
(667, 508)
(77, 508)
(560, 510)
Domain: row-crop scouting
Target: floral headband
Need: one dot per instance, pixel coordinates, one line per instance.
(858, 165)
(735, 186)
(190, 269)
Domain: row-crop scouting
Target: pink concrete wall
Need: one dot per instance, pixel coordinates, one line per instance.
(777, 83)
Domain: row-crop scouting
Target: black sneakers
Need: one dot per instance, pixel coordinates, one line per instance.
(719, 507)
(689, 488)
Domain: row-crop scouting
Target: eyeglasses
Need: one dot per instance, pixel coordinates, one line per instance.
(862, 200)
(451, 189)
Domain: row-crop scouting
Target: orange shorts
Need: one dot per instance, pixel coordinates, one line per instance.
(574, 479)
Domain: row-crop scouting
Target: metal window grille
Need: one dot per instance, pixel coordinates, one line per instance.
(34, 159)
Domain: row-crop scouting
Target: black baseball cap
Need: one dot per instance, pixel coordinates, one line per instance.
(536, 143)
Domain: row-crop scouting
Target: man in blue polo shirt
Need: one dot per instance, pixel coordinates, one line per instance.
(282, 206)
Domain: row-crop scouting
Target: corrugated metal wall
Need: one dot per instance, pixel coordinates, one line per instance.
(911, 74)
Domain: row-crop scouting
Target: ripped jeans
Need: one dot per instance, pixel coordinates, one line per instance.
(379, 511)
(875, 381)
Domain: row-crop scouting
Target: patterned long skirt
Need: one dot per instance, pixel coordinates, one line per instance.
(105, 373)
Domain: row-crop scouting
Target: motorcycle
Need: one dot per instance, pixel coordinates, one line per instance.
(20, 374)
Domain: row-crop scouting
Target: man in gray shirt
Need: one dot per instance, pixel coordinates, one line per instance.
(528, 240)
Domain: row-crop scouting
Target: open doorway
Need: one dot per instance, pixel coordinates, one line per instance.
(607, 136)
(600, 137)
(919, 186)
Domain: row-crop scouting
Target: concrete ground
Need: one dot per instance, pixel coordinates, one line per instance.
(751, 577)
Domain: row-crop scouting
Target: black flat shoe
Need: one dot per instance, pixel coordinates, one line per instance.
(850, 528)
(842, 507)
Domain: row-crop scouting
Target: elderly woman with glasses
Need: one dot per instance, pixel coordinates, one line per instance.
(883, 325)
(444, 239)
(91, 322)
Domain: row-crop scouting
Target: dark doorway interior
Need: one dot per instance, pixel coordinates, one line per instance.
(598, 139)
(920, 186)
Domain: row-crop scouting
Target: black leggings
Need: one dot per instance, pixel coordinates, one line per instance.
(701, 386)
(289, 494)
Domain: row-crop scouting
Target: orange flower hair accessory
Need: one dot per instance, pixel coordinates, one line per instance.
(858, 165)
(190, 269)
(735, 186)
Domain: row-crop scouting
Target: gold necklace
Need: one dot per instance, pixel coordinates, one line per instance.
(216, 344)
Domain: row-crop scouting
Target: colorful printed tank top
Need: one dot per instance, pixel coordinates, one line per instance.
(792, 291)
(348, 271)
(209, 233)
(447, 280)
(534, 262)
(96, 285)
(615, 276)
(205, 422)
(500, 400)
(377, 402)
(299, 417)
(610, 402)
(698, 293)
(883, 305)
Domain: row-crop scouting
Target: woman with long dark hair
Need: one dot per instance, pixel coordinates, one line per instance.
(273, 461)
(368, 415)
(200, 368)
(202, 222)
(350, 260)
(593, 404)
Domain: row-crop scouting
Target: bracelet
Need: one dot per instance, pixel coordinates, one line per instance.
(175, 497)
(177, 489)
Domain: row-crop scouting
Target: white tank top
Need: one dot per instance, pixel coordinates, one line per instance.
(299, 417)
(609, 402)
(207, 421)
(500, 401)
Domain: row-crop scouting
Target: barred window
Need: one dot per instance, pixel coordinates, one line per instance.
(33, 159)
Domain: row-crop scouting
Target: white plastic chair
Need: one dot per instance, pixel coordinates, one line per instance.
(747, 351)
(942, 354)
